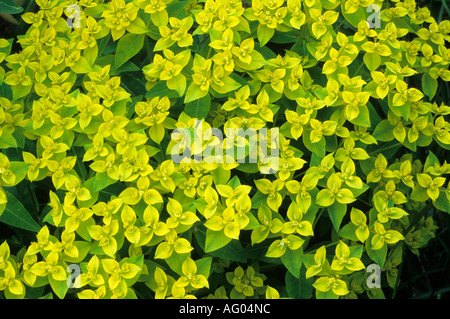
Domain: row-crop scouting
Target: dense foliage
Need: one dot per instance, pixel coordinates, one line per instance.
(91, 97)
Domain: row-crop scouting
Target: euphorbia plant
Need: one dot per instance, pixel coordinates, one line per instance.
(93, 111)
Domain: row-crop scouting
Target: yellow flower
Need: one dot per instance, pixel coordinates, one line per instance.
(334, 192)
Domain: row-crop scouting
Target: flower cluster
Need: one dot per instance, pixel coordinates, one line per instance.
(86, 115)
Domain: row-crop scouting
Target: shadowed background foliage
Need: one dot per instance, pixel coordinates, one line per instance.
(421, 276)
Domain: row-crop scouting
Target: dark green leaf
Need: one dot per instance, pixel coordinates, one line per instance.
(215, 240)
(384, 132)
(292, 259)
(160, 89)
(379, 255)
(429, 85)
(299, 288)
(199, 108)
(337, 212)
(16, 215)
(60, 287)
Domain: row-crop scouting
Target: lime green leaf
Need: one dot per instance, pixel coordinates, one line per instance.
(204, 266)
(379, 255)
(7, 140)
(60, 287)
(215, 240)
(100, 181)
(82, 66)
(372, 60)
(356, 17)
(221, 175)
(138, 261)
(157, 132)
(363, 118)
(176, 9)
(317, 148)
(83, 249)
(292, 259)
(264, 34)
(194, 92)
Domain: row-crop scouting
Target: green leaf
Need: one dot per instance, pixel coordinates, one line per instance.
(355, 17)
(194, 92)
(363, 119)
(379, 255)
(419, 194)
(8, 6)
(299, 288)
(337, 212)
(384, 132)
(292, 260)
(83, 249)
(81, 66)
(349, 232)
(215, 240)
(138, 261)
(356, 192)
(234, 182)
(430, 161)
(129, 45)
(91, 54)
(258, 199)
(204, 266)
(221, 175)
(318, 148)
(199, 108)
(372, 60)
(20, 170)
(100, 181)
(429, 85)
(20, 91)
(160, 18)
(232, 251)
(7, 140)
(157, 132)
(124, 68)
(16, 215)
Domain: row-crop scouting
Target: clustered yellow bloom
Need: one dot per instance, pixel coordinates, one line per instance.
(128, 214)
